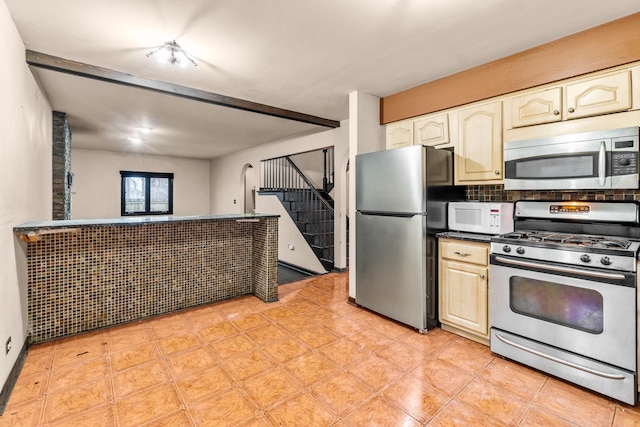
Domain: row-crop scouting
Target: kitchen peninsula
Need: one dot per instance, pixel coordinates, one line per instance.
(82, 275)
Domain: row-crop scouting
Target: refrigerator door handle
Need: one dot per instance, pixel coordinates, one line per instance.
(393, 214)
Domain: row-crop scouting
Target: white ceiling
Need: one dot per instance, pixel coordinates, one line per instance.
(300, 55)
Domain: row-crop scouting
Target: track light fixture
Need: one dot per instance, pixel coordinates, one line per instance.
(172, 53)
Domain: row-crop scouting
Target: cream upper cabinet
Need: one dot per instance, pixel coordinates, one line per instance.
(479, 157)
(464, 288)
(431, 130)
(543, 106)
(600, 94)
(399, 134)
(605, 94)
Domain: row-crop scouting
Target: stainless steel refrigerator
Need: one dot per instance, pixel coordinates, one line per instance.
(401, 201)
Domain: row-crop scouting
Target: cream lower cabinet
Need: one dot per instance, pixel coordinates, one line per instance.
(464, 288)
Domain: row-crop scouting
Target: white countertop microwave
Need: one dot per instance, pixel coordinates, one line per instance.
(481, 217)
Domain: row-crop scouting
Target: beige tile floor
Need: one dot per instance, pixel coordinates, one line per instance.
(310, 359)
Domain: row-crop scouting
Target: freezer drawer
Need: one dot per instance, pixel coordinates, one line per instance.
(391, 264)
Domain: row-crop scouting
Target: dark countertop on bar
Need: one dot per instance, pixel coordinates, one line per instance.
(134, 220)
(471, 237)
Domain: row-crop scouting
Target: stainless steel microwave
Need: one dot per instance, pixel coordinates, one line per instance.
(599, 160)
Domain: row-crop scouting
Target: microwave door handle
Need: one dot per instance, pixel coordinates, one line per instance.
(602, 163)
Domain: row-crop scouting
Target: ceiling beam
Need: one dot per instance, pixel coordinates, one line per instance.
(54, 63)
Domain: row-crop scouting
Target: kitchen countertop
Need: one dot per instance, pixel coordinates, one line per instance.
(471, 237)
(135, 220)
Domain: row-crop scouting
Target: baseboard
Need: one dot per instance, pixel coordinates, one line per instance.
(340, 269)
(13, 376)
(299, 269)
(352, 301)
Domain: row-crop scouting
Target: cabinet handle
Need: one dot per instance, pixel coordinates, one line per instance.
(481, 276)
(571, 109)
(497, 172)
(462, 253)
(556, 112)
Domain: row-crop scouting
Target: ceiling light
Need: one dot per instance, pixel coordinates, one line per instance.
(143, 129)
(135, 140)
(172, 53)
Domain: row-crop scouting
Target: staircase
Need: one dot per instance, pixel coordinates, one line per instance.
(311, 209)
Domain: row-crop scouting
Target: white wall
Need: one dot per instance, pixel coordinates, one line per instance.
(25, 174)
(365, 136)
(228, 177)
(96, 182)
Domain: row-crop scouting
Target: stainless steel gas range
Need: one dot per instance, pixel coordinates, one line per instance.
(563, 292)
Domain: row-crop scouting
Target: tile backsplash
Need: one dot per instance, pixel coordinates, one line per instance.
(497, 193)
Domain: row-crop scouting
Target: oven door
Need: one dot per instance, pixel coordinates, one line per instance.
(583, 310)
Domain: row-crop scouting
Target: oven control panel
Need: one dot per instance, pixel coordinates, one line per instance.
(570, 209)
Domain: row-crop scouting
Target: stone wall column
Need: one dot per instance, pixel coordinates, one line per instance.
(61, 170)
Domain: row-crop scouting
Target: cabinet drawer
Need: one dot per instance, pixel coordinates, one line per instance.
(465, 252)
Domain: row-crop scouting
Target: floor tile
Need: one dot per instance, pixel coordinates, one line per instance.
(245, 365)
(171, 324)
(37, 362)
(343, 352)
(297, 323)
(230, 346)
(103, 416)
(144, 406)
(229, 407)
(456, 414)
(574, 404)
(133, 356)
(301, 305)
(250, 322)
(402, 356)
(71, 374)
(271, 387)
(29, 387)
(626, 415)
(191, 360)
(370, 340)
(302, 410)
(218, 331)
(534, 418)
(342, 392)
(177, 419)
(199, 384)
(127, 336)
(176, 343)
(317, 337)
(378, 412)
(78, 351)
(22, 414)
(77, 399)
(140, 377)
(375, 372)
(279, 313)
(431, 342)
(416, 398)
(442, 376)
(310, 367)
(286, 349)
(467, 355)
(493, 401)
(516, 378)
(267, 334)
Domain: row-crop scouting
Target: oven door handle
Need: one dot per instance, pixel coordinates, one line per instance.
(561, 269)
(602, 163)
(561, 361)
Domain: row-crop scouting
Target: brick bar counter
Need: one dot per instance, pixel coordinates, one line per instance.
(88, 274)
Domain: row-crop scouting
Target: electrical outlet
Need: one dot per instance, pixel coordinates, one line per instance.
(7, 346)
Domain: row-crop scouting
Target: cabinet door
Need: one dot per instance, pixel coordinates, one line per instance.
(599, 95)
(431, 130)
(479, 150)
(399, 134)
(464, 296)
(534, 108)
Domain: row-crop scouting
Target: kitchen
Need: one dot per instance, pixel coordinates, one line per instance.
(368, 107)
